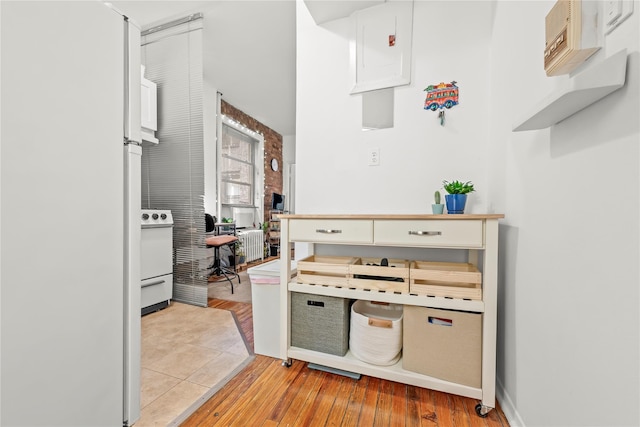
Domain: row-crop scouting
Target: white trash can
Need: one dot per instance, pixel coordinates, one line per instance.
(265, 302)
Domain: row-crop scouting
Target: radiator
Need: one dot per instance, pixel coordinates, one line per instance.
(252, 243)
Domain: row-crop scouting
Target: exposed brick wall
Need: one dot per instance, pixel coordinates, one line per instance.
(272, 149)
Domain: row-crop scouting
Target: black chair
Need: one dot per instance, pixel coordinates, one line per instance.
(209, 223)
(217, 241)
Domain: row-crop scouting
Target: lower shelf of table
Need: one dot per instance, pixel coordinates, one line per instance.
(391, 373)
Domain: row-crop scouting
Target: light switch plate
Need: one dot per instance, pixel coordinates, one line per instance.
(615, 13)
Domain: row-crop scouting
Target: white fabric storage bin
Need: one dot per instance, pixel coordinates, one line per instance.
(376, 332)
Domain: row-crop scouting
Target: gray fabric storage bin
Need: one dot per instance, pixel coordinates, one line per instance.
(320, 323)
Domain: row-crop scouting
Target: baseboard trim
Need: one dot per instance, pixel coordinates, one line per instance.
(507, 406)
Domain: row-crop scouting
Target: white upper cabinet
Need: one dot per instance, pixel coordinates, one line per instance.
(149, 109)
(381, 53)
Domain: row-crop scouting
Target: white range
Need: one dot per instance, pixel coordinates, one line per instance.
(156, 260)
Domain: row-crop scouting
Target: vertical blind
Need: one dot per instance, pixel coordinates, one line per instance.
(173, 170)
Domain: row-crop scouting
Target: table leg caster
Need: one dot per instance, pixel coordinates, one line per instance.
(482, 410)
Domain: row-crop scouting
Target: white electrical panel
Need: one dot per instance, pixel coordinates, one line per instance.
(381, 51)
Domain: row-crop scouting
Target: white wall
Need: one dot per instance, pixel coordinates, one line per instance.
(288, 178)
(568, 322)
(333, 175)
(210, 171)
(568, 338)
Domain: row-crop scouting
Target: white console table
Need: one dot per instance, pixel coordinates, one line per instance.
(475, 233)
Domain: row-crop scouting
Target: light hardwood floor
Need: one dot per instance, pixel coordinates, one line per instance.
(267, 394)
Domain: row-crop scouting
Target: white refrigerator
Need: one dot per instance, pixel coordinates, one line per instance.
(70, 215)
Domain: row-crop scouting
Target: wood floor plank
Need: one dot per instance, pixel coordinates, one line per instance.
(461, 416)
(428, 415)
(251, 400)
(300, 403)
(444, 413)
(309, 387)
(493, 417)
(474, 419)
(352, 412)
(226, 401)
(501, 416)
(266, 402)
(228, 396)
(307, 408)
(398, 405)
(368, 411)
(383, 406)
(323, 401)
(413, 406)
(292, 392)
(343, 396)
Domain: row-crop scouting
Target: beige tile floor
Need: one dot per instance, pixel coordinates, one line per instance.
(188, 353)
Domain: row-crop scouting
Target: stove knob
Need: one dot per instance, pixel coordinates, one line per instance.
(145, 216)
(163, 216)
(155, 216)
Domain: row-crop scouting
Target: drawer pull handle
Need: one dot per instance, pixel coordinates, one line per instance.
(425, 233)
(328, 231)
(156, 282)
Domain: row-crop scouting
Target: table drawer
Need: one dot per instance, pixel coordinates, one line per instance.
(331, 231)
(441, 233)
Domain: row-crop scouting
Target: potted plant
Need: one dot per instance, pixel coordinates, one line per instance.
(457, 197)
(437, 207)
(240, 255)
(226, 221)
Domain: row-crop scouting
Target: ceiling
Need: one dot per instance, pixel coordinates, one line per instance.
(249, 51)
(249, 48)
(324, 10)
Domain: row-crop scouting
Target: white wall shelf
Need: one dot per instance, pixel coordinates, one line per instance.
(579, 92)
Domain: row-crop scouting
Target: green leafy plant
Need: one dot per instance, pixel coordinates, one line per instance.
(458, 187)
(227, 220)
(436, 197)
(240, 248)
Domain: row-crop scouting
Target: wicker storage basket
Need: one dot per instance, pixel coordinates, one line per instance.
(376, 332)
(320, 323)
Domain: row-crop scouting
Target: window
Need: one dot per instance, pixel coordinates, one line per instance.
(237, 167)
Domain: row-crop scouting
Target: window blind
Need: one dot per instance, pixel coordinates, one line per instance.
(173, 170)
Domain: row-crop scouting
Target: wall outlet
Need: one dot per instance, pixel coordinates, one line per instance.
(374, 156)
